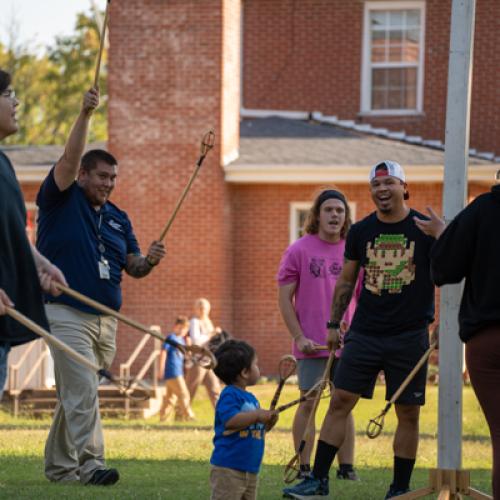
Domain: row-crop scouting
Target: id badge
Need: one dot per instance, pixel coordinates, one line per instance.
(103, 269)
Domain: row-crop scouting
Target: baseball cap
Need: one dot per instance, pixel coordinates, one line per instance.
(387, 167)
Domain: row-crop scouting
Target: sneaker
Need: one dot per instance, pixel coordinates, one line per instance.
(310, 487)
(394, 493)
(104, 477)
(349, 475)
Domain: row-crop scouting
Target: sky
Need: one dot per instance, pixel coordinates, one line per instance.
(39, 21)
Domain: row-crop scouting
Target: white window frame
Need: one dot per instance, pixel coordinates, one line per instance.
(366, 74)
(296, 206)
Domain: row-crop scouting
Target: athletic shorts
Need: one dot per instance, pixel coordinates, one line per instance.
(364, 356)
(310, 371)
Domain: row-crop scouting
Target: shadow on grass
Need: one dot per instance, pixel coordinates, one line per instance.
(21, 477)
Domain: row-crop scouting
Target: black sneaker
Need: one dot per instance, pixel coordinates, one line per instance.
(349, 475)
(395, 493)
(104, 477)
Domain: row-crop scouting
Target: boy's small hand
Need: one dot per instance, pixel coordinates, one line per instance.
(272, 422)
(264, 416)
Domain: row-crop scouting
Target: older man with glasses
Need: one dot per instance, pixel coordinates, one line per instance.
(24, 272)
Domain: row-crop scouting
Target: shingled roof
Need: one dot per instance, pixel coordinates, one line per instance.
(284, 150)
(32, 163)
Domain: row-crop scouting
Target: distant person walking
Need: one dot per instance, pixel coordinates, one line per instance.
(201, 330)
(172, 371)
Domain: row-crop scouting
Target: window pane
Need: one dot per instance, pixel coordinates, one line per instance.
(413, 36)
(379, 99)
(395, 78)
(379, 78)
(394, 100)
(396, 36)
(378, 54)
(410, 97)
(302, 216)
(394, 88)
(410, 53)
(411, 76)
(396, 18)
(378, 18)
(396, 53)
(412, 18)
(378, 37)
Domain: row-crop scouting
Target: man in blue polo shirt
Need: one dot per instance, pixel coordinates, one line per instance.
(92, 241)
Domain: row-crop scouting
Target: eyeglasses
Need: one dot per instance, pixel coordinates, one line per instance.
(9, 93)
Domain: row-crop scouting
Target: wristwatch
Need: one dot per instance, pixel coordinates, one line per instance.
(332, 325)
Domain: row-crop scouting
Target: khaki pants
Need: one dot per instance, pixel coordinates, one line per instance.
(75, 447)
(231, 484)
(177, 392)
(197, 375)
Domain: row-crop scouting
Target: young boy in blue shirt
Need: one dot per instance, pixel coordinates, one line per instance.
(172, 371)
(237, 457)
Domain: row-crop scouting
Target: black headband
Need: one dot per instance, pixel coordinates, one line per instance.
(331, 194)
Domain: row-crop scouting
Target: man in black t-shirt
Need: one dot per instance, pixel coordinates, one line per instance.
(389, 328)
(24, 272)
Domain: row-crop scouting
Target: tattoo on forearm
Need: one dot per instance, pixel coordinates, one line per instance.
(341, 300)
(138, 267)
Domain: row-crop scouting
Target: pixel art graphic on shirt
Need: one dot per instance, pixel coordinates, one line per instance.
(390, 263)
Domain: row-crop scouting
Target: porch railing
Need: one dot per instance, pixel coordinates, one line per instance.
(16, 387)
(151, 363)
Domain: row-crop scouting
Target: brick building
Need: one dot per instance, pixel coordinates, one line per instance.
(178, 68)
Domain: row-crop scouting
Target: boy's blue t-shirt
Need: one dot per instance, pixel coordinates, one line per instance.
(242, 450)
(174, 366)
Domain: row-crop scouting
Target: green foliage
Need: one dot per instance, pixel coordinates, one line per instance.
(172, 461)
(50, 87)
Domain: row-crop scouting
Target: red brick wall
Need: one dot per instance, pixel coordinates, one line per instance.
(30, 191)
(306, 55)
(298, 54)
(165, 93)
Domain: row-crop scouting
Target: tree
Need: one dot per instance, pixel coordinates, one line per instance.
(51, 86)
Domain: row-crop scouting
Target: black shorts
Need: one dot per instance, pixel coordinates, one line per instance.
(364, 356)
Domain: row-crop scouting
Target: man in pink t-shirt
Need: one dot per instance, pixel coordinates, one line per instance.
(307, 275)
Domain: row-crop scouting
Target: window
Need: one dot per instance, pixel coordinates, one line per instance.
(393, 55)
(298, 215)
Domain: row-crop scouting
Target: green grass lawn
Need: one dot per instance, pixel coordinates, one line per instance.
(170, 461)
